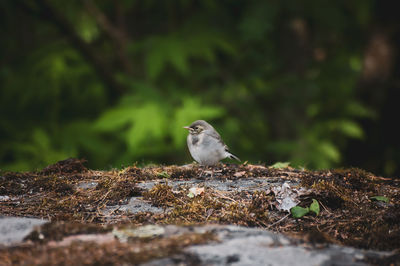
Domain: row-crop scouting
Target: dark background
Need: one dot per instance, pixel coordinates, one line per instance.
(314, 83)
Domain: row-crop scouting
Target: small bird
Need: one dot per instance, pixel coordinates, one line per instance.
(205, 144)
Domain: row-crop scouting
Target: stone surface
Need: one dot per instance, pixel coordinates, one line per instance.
(137, 204)
(232, 245)
(239, 185)
(4, 198)
(134, 205)
(14, 229)
(247, 246)
(87, 185)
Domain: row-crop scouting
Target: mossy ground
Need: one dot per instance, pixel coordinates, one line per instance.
(348, 215)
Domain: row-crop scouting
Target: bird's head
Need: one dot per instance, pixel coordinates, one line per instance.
(198, 127)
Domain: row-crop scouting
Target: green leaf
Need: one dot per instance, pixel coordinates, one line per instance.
(280, 165)
(41, 139)
(154, 63)
(329, 150)
(358, 110)
(314, 207)
(350, 129)
(163, 174)
(298, 212)
(149, 122)
(87, 27)
(380, 198)
(163, 50)
(115, 118)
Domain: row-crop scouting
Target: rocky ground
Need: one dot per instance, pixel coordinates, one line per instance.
(189, 215)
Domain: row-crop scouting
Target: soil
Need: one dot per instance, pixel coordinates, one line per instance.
(74, 198)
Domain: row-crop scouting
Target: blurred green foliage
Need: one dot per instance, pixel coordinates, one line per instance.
(276, 78)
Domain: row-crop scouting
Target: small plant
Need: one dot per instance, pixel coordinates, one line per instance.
(298, 212)
(163, 174)
(380, 198)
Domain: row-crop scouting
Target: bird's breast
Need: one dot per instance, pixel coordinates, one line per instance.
(195, 139)
(205, 151)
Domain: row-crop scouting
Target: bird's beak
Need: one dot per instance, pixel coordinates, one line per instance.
(186, 128)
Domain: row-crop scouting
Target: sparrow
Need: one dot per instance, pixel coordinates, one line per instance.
(206, 145)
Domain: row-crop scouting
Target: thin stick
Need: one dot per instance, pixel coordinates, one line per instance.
(324, 207)
(278, 221)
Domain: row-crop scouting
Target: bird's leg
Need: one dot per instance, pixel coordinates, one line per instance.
(209, 168)
(202, 170)
(201, 175)
(212, 171)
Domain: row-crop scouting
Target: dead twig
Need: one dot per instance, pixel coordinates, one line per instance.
(280, 220)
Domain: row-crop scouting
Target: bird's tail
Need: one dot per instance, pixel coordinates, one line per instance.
(232, 156)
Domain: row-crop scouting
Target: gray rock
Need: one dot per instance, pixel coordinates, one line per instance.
(87, 185)
(137, 204)
(248, 184)
(14, 229)
(249, 246)
(246, 246)
(4, 198)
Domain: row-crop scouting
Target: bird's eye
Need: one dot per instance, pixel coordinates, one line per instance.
(196, 127)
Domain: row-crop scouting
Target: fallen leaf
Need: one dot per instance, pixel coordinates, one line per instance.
(239, 174)
(286, 196)
(195, 191)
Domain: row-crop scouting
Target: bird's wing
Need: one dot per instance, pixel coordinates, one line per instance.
(214, 134)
